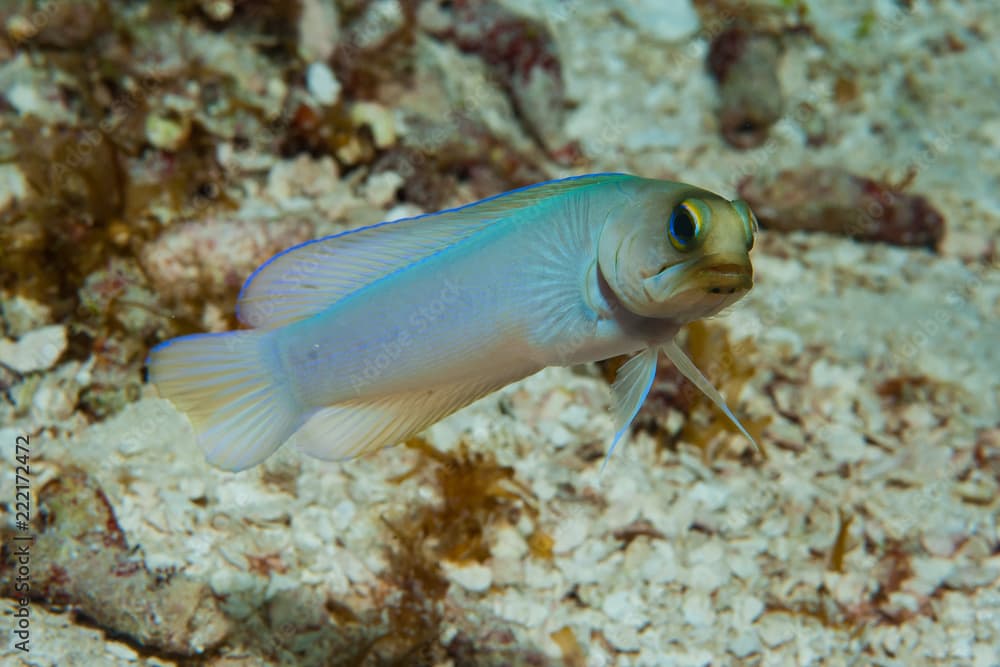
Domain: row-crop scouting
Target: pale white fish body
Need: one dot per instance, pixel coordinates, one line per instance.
(366, 338)
(504, 306)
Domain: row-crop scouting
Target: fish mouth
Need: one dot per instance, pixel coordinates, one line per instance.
(712, 274)
(726, 278)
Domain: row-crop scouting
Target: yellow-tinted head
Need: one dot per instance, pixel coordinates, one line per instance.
(677, 252)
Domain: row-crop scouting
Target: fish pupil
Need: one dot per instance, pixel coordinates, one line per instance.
(682, 225)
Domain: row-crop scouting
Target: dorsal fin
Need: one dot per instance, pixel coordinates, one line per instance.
(308, 278)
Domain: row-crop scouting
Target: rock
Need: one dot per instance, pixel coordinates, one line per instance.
(626, 607)
(622, 637)
(708, 577)
(13, 186)
(575, 417)
(984, 655)
(35, 351)
(108, 582)
(217, 10)
(941, 541)
(930, 574)
(667, 21)
(744, 644)
(836, 201)
(570, 534)
(707, 554)
(743, 566)
(32, 92)
(212, 257)
(378, 22)
(322, 84)
(970, 577)
(61, 25)
(476, 577)
(518, 608)
(343, 514)
(970, 246)
(775, 629)
(747, 609)
(845, 444)
(22, 315)
(377, 118)
(319, 29)
(304, 177)
(508, 544)
(381, 188)
(846, 588)
(697, 609)
(750, 97)
(662, 567)
(167, 131)
(521, 56)
(55, 399)
(398, 212)
(980, 488)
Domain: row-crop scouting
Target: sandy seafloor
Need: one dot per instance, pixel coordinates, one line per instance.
(868, 534)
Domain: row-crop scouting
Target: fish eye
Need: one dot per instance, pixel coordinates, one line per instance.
(686, 224)
(750, 224)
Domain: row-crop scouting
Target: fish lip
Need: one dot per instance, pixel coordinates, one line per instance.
(722, 273)
(726, 278)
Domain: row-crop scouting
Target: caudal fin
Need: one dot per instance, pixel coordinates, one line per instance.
(231, 387)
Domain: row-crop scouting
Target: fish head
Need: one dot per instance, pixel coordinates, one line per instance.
(674, 251)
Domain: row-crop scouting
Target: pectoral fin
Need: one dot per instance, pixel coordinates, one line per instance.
(631, 386)
(691, 372)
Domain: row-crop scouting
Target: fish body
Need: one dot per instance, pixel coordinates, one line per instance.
(365, 338)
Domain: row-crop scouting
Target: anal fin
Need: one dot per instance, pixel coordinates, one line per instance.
(349, 429)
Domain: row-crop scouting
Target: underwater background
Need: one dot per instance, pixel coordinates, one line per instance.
(154, 153)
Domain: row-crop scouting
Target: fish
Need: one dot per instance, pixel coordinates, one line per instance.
(362, 339)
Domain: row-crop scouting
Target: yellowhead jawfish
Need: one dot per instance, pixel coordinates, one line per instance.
(364, 338)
